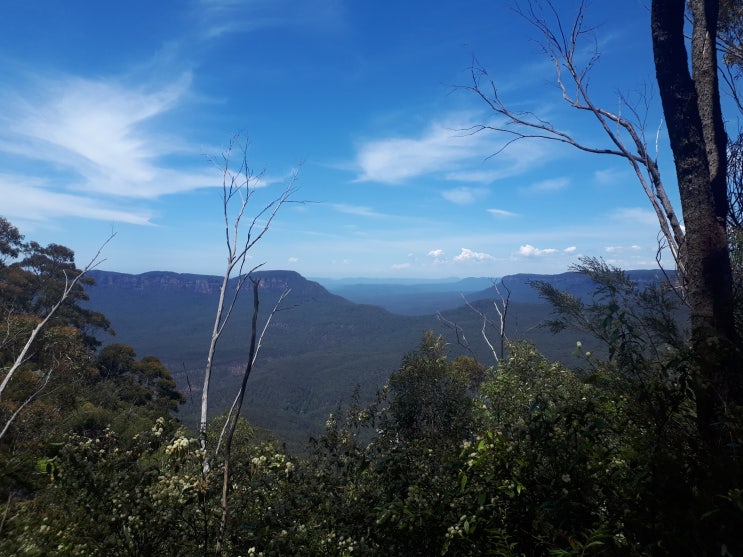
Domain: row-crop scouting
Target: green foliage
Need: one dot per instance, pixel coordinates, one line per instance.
(34, 280)
(529, 458)
(676, 483)
(429, 395)
(537, 461)
(636, 325)
(138, 382)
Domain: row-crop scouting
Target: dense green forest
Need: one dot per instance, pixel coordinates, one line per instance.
(451, 458)
(317, 350)
(637, 450)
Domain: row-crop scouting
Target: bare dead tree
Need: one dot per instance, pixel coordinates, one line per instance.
(233, 416)
(458, 331)
(687, 75)
(500, 304)
(69, 287)
(563, 44)
(501, 309)
(238, 188)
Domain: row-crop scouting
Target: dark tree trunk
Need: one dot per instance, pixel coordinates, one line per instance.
(698, 140)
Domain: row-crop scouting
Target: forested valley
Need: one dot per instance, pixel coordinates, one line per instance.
(630, 445)
(453, 457)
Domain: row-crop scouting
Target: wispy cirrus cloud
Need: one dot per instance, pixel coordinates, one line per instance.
(502, 213)
(221, 17)
(447, 150)
(30, 199)
(635, 215)
(400, 266)
(96, 130)
(464, 195)
(358, 210)
(549, 185)
(88, 144)
(609, 176)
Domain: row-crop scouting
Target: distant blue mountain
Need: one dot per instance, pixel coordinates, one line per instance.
(408, 298)
(321, 345)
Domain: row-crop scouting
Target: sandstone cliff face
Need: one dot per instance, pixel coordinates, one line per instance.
(274, 281)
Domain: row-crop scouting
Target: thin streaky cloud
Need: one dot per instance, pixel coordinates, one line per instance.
(478, 176)
(464, 195)
(444, 151)
(549, 185)
(635, 215)
(609, 176)
(24, 199)
(358, 210)
(222, 17)
(502, 213)
(97, 137)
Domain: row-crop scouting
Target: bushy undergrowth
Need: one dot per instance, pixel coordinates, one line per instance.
(534, 461)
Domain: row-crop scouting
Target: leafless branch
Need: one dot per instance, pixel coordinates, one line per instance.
(563, 46)
(233, 416)
(458, 331)
(501, 308)
(238, 189)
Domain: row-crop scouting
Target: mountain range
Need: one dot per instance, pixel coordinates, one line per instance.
(320, 345)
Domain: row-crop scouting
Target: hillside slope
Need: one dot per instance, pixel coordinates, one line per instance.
(320, 346)
(318, 349)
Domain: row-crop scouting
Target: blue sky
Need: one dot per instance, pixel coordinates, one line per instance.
(113, 110)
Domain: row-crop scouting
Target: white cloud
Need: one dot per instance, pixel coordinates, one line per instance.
(479, 176)
(469, 255)
(608, 176)
(398, 266)
(293, 260)
(636, 215)
(95, 129)
(448, 152)
(549, 185)
(528, 250)
(464, 195)
(357, 210)
(502, 213)
(570, 249)
(25, 198)
(619, 249)
(88, 148)
(436, 253)
(220, 17)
